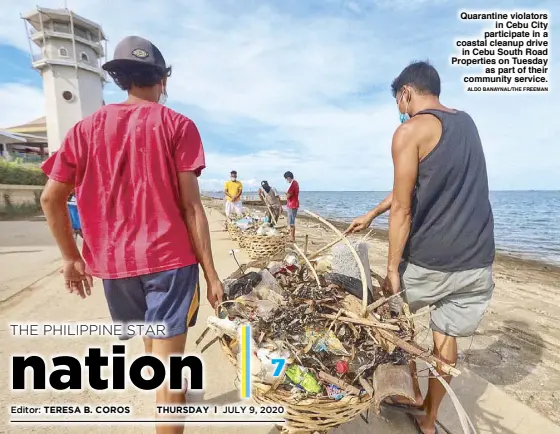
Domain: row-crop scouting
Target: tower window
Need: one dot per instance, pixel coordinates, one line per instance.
(67, 95)
(63, 52)
(84, 57)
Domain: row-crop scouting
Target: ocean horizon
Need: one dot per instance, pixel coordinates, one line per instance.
(526, 222)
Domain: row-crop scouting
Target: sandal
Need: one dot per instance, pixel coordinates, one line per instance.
(410, 409)
(417, 425)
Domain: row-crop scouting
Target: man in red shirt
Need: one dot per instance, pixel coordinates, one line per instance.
(292, 203)
(134, 167)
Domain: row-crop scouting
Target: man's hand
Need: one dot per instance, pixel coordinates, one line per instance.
(359, 224)
(76, 279)
(215, 292)
(391, 287)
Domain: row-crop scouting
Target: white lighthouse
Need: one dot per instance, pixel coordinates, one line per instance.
(68, 50)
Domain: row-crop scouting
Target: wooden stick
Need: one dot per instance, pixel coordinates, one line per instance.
(308, 264)
(416, 315)
(306, 245)
(201, 337)
(368, 388)
(209, 344)
(334, 319)
(366, 236)
(338, 382)
(362, 321)
(381, 302)
(356, 257)
(328, 246)
(419, 352)
(269, 210)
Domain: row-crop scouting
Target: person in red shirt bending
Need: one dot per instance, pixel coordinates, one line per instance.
(292, 203)
(134, 167)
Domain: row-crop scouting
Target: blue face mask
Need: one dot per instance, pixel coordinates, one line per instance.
(404, 116)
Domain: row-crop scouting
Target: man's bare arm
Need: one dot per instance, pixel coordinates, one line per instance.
(405, 162)
(54, 203)
(197, 223)
(382, 207)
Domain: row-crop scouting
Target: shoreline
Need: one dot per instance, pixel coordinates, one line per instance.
(503, 258)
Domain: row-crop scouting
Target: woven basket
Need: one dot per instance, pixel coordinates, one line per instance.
(242, 239)
(233, 231)
(262, 246)
(310, 415)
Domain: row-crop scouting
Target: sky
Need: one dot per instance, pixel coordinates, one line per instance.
(305, 85)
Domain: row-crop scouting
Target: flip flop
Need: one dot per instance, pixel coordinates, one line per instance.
(417, 425)
(402, 408)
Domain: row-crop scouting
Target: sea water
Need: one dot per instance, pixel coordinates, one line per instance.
(527, 223)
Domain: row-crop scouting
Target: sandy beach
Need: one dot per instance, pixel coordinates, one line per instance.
(514, 354)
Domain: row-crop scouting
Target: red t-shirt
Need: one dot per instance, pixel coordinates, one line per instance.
(123, 161)
(293, 200)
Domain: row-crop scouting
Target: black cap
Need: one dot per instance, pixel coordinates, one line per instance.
(134, 49)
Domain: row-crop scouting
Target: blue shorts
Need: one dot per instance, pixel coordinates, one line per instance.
(292, 213)
(169, 297)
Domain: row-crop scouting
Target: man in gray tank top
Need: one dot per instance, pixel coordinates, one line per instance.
(441, 229)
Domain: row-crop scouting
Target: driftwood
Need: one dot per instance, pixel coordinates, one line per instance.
(420, 353)
(377, 304)
(362, 321)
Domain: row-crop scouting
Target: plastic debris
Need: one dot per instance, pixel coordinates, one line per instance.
(303, 378)
(335, 392)
(326, 341)
(341, 367)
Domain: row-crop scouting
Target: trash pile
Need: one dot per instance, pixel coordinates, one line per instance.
(255, 225)
(332, 350)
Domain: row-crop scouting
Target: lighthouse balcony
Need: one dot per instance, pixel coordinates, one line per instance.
(40, 36)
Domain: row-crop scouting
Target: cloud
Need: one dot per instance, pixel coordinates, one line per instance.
(305, 86)
(20, 103)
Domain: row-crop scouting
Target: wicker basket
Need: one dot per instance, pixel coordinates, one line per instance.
(233, 231)
(310, 415)
(262, 246)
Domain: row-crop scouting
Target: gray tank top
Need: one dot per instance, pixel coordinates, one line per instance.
(452, 224)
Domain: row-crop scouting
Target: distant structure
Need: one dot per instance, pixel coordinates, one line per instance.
(68, 50)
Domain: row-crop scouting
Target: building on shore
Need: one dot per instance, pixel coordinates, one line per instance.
(27, 141)
(68, 51)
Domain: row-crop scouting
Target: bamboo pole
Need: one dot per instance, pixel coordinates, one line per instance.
(328, 246)
(308, 264)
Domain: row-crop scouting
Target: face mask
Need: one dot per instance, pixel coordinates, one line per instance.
(233, 179)
(163, 96)
(404, 116)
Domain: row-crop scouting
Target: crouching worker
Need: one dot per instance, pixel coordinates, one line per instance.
(134, 166)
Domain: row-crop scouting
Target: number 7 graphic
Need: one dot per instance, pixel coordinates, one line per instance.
(280, 363)
(246, 352)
